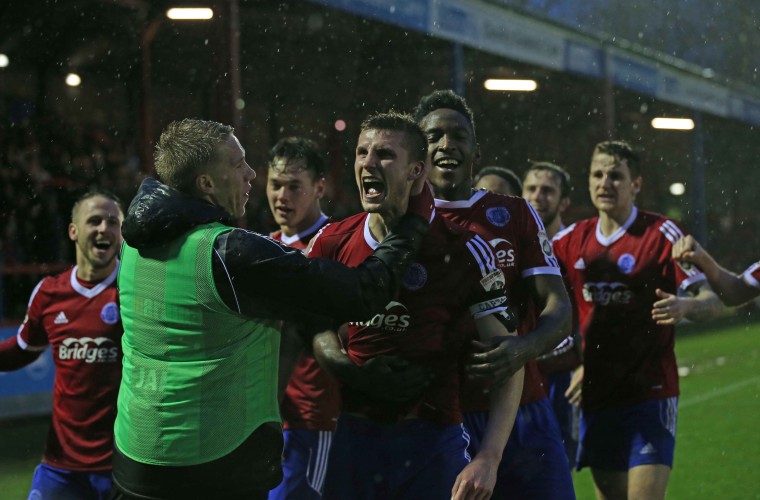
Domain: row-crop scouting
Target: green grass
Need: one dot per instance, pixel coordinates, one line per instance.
(21, 445)
(717, 444)
(717, 440)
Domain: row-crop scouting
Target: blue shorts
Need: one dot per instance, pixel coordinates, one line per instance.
(534, 465)
(304, 464)
(60, 484)
(410, 460)
(626, 436)
(568, 416)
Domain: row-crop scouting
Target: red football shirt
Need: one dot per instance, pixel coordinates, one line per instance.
(312, 398)
(82, 324)
(628, 357)
(423, 323)
(517, 235)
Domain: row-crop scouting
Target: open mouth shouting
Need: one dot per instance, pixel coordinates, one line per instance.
(101, 248)
(373, 189)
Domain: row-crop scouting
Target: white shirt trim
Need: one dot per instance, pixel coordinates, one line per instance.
(747, 275)
(368, 238)
(289, 240)
(696, 278)
(563, 232)
(476, 196)
(371, 241)
(607, 241)
(94, 291)
(533, 271)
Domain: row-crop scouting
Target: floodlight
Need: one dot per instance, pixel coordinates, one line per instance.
(73, 80)
(190, 13)
(677, 188)
(506, 85)
(673, 123)
(4, 61)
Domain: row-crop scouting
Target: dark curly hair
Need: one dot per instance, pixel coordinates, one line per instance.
(443, 99)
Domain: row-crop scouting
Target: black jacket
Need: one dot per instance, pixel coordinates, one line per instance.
(260, 278)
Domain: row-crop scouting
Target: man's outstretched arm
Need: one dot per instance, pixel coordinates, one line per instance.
(13, 357)
(731, 288)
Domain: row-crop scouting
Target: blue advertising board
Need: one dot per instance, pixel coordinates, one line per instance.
(29, 390)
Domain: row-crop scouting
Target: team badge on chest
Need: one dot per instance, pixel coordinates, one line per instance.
(110, 313)
(626, 263)
(415, 277)
(498, 216)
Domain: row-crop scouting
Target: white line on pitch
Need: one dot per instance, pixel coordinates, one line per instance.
(718, 392)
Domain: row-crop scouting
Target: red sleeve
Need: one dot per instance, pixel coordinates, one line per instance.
(685, 277)
(12, 357)
(536, 249)
(317, 245)
(32, 335)
(559, 248)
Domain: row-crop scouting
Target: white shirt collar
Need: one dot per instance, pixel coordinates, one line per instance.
(289, 240)
(94, 291)
(609, 240)
(371, 241)
(476, 196)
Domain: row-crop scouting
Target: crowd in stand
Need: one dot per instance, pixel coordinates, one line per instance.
(44, 167)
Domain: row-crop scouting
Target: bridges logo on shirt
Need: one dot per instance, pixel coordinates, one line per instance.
(110, 313)
(89, 350)
(414, 277)
(396, 318)
(605, 294)
(505, 254)
(498, 216)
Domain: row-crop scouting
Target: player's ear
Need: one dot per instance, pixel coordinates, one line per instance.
(419, 169)
(204, 183)
(564, 203)
(637, 183)
(476, 157)
(319, 185)
(73, 231)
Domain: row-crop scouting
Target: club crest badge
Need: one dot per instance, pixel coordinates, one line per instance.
(110, 313)
(414, 277)
(498, 216)
(626, 263)
(546, 245)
